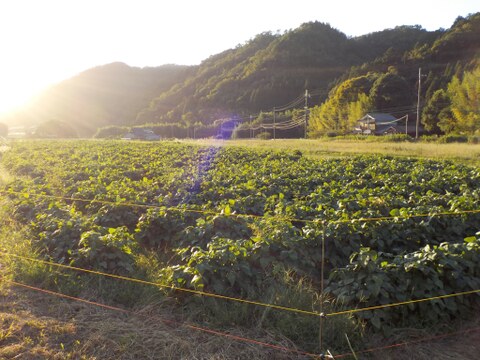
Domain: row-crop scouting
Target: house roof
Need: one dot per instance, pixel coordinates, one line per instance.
(378, 117)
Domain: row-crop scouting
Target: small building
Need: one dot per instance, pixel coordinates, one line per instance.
(384, 124)
(21, 132)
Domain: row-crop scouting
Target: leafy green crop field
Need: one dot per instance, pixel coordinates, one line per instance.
(250, 224)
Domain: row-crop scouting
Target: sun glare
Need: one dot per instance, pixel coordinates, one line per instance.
(11, 100)
(19, 85)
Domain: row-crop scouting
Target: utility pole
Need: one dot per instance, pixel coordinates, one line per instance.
(418, 101)
(406, 125)
(251, 127)
(274, 123)
(306, 111)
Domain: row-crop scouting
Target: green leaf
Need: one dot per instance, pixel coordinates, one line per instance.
(470, 239)
(227, 210)
(394, 212)
(195, 280)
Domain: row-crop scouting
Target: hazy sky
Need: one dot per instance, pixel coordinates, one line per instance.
(46, 41)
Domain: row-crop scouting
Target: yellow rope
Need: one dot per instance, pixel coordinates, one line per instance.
(273, 306)
(197, 292)
(385, 218)
(402, 303)
(210, 212)
(148, 206)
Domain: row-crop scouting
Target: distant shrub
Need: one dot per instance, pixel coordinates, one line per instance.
(394, 138)
(474, 139)
(447, 139)
(264, 136)
(371, 138)
(331, 134)
(111, 132)
(354, 137)
(429, 138)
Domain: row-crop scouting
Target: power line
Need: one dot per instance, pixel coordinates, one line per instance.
(393, 121)
(280, 126)
(291, 104)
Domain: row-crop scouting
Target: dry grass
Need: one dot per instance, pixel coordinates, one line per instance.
(319, 148)
(463, 346)
(38, 326)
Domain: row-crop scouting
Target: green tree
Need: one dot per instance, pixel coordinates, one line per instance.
(391, 90)
(3, 130)
(465, 97)
(357, 109)
(347, 103)
(437, 108)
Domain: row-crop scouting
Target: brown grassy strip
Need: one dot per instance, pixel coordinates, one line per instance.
(335, 148)
(166, 321)
(409, 343)
(36, 326)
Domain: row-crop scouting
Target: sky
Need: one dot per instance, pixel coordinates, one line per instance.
(43, 42)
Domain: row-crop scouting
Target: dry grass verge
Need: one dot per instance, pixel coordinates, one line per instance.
(463, 346)
(38, 326)
(321, 148)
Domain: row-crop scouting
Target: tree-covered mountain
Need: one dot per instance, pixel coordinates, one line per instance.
(272, 69)
(450, 84)
(349, 76)
(111, 94)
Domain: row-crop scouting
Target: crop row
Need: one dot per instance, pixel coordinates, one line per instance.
(192, 224)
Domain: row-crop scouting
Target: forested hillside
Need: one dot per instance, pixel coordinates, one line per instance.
(450, 84)
(111, 94)
(271, 70)
(348, 76)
